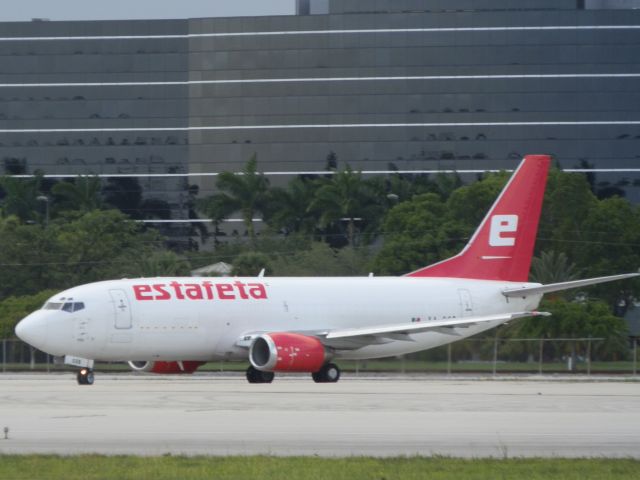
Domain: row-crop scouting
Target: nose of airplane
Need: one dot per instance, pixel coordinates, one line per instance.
(33, 330)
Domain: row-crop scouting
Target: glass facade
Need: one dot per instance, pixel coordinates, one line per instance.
(69, 104)
(385, 84)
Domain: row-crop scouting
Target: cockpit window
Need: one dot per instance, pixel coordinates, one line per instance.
(52, 306)
(66, 307)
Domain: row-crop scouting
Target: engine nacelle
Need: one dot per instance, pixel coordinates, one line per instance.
(165, 367)
(287, 352)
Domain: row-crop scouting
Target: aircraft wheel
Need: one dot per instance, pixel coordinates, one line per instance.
(256, 376)
(85, 377)
(329, 373)
(267, 377)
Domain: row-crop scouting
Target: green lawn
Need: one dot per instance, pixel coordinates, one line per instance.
(90, 467)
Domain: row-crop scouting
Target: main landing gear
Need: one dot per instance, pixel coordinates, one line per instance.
(85, 376)
(256, 376)
(329, 373)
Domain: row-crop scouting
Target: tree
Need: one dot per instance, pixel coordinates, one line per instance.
(417, 233)
(76, 248)
(345, 196)
(288, 210)
(246, 192)
(322, 260)
(470, 203)
(592, 318)
(82, 194)
(14, 309)
(159, 263)
(428, 228)
(20, 197)
(552, 267)
(100, 244)
(249, 264)
(28, 256)
(567, 203)
(610, 235)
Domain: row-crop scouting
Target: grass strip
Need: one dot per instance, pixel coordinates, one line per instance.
(88, 467)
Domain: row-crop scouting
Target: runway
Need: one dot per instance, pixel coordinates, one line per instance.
(223, 415)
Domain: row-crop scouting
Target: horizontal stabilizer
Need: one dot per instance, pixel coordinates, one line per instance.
(417, 327)
(557, 287)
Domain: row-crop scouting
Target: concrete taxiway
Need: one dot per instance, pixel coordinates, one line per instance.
(220, 415)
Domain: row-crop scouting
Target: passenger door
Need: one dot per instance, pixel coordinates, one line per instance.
(121, 309)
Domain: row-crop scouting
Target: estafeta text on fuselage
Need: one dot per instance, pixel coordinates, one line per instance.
(205, 290)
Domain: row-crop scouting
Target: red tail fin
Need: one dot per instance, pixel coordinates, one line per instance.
(502, 246)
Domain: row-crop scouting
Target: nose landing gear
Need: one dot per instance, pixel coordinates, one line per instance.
(85, 376)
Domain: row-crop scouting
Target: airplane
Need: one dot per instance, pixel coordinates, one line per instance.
(286, 324)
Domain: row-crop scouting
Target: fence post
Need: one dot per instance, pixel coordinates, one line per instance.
(449, 359)
(589, 356)
(540, 353)
(495, 353)
(4, 355)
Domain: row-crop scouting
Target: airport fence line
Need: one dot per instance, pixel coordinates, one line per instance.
(489, 355)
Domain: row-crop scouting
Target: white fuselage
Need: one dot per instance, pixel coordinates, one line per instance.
(205, 319)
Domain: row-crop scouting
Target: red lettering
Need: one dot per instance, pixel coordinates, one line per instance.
(162, 293)
(200, 291)
(193, 291)
(225, 291)
(257, 291)
(208, 287)
(142, 292)
(177, 288)
(240, 285)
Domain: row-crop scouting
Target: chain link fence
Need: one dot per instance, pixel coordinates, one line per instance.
(473, 355)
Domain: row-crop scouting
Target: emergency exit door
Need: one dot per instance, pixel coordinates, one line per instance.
(466, 304)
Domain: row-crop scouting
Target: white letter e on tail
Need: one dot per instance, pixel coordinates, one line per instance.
(501, 224)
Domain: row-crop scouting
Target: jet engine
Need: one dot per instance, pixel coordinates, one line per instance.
(165, 367)
(287, 352)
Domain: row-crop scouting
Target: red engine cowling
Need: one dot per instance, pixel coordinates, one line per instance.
(166, 367)
(287, 352)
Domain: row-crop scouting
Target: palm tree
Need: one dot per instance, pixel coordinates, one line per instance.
(289, 207)
(82, 194)
(552, 267)
(245, 191)
(21, 197)
(345, 196)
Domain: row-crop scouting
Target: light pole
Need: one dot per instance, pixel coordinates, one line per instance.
(45, 199)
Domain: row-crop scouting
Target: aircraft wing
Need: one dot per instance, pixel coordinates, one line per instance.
(556, 287)
(352, 338)
(417, 327)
